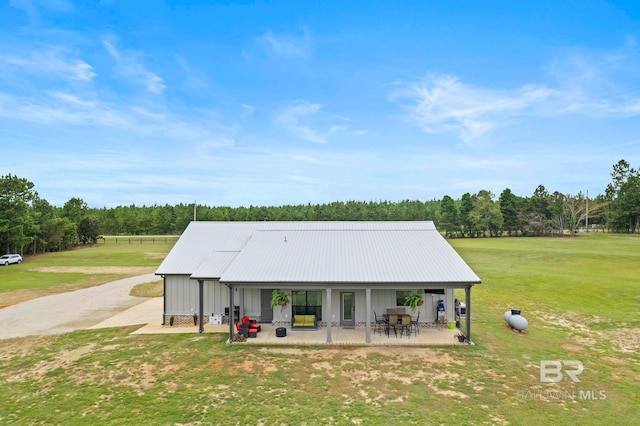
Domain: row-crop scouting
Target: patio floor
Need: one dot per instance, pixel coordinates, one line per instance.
(339, 335)
(149, 313)
(354, 336)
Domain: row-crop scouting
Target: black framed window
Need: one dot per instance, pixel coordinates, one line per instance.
(400, 297)
(307, 302)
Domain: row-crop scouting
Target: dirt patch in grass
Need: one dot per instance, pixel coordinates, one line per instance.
(155, 255)
(624, 339)
(572, 348)
(63, 359)
(134, 270)
(397, 354)
(627, 340)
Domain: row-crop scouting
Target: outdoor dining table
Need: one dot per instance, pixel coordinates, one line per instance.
(386, 318)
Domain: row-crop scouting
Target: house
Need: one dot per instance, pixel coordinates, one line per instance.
(339, 271)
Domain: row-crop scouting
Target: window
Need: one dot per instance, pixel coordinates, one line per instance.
(307, 302)
(400, 295)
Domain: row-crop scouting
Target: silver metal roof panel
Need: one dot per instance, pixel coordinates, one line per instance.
(236, 252)
(376, 256)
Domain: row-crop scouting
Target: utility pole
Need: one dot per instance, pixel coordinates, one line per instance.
(587, 212)
(194, 210)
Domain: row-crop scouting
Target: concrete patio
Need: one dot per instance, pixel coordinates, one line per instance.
(354, 336)
(149, 313)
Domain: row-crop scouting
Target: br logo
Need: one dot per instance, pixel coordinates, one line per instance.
(553, 371)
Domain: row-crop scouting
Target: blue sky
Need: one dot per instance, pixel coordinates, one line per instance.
(295, 102)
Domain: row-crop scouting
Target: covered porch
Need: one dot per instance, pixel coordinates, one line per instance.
(334, 330)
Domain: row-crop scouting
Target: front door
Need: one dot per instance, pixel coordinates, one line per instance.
(266, 311)
(347, 310)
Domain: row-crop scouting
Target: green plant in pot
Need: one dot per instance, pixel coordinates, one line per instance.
(195, 318)
(413, 300)
(279, 298)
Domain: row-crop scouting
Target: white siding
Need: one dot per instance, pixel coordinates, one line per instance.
(181, 295)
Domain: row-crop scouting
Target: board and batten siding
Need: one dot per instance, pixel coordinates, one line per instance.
(182, 297)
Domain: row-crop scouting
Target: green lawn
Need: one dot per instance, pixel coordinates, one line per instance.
(83, 267)
(581, 297)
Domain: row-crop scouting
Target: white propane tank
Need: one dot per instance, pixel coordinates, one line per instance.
(517, 321)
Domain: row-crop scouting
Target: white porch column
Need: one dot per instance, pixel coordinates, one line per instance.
(367, 332)
(330, 314)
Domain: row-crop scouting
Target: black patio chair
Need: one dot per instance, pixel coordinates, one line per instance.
(380, 324)
(414, 324)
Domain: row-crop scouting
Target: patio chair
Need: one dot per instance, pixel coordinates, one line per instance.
(380, 324)
(405, 325)
(414, 324)
(392, 321)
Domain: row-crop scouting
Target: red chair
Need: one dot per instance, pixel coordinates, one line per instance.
(249, 325)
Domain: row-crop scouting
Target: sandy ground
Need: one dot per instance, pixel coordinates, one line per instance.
(65, 312)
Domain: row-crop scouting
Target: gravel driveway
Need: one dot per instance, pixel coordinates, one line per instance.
(75, 310)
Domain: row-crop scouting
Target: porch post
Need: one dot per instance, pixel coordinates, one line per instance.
(241, 296)
(330, 314)
(367, 332)
(467, 293)
(231, 324)
(164, 299)
(201, 308)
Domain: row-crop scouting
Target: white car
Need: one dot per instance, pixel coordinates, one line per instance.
(8, 259)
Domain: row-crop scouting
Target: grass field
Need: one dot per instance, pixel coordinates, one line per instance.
(581, 297)
(83, 267)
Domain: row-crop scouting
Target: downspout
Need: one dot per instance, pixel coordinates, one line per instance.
(201, 291)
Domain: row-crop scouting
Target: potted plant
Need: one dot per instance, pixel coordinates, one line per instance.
(279, 298)
(195, 318)
(413, 300)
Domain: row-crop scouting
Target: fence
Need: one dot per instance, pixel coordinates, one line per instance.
(139, 239)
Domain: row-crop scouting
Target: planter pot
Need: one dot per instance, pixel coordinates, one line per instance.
(420, 303)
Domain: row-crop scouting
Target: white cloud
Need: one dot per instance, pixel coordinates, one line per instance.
(33, 7)
(130, 64)
(194, 78)
(598, 84)
(59, 109)
(53, 62)
(306, 120)
(286, 46)
(443, 103)
(247, 110)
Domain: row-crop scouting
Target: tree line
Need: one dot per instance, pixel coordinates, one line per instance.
(29, 224)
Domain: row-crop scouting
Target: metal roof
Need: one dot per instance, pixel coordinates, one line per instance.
(317, 252)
